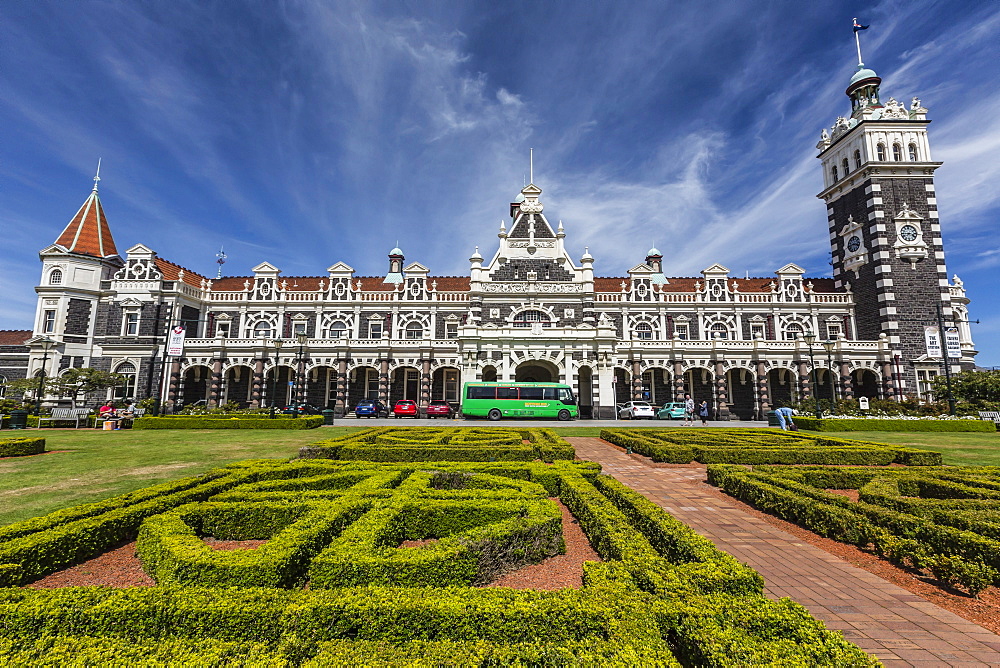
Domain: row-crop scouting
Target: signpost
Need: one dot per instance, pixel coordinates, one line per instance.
(175, 342)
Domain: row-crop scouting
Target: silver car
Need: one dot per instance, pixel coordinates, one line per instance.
(636, 410)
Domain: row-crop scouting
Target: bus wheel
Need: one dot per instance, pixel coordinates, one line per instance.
(563, 415)
(494, 414)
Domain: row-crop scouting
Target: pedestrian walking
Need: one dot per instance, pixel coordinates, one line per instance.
(688, 411)
(703, 412)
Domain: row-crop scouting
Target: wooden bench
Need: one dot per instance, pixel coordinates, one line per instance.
(65, 415)
(136, 414)
(990, 415)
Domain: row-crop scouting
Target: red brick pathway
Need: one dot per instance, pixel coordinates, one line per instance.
(900, 628)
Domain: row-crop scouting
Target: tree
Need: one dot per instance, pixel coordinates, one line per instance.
(975, 387)
(73, 383)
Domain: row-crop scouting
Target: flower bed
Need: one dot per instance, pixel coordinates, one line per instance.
(234, 422)
(944, 519)
(894, 423)
(19, 447)
(759, 446)
(663, 596)
(419, 444)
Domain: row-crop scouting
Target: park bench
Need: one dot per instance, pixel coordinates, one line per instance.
(65, 415)
(990, 415)
(136, 414)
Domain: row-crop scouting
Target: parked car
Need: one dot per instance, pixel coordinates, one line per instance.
(371, 408)
(405, 408)
(636, 410)
(301, 409)
(439, 408)
(671, 411)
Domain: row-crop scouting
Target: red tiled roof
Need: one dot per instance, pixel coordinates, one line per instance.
(14, 337)
(450, 283)
(687, 284)
(230, 283)
(374, 284)
(610, 284)
(88, 233)
(172, 271)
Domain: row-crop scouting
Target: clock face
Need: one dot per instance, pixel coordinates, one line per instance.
(908, 232)
(853, 244)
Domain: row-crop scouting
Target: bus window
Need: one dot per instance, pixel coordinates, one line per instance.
(482, 393)
(566, 396)
(550, 393)
(506, 393)
(534, 393)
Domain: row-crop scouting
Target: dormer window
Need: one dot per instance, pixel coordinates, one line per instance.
(835, 176)
(528, 318)
(880, 152)
(913, 152)
(857, 159)
(644, 331)
(55, 278)
(897, 153)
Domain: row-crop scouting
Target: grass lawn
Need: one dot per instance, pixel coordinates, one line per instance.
(958, 448)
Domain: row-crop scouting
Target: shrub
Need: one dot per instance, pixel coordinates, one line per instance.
(955, 571)
(19, 447)
(834, 424)
(242, 422)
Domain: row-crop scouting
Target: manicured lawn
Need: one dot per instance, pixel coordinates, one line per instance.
(89, 465)
(958, 448)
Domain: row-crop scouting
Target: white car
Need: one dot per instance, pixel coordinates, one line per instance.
(637, 410)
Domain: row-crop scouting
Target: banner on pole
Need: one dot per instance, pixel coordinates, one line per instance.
(953, 343)
(175, 343)
(932, 338)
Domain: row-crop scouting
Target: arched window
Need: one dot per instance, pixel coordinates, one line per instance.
(262, 330)
(529, 318)
(718, 331)
(880, 152)
(913, 152)
(337, 330)
(793, 331)
(644, 331)
(857, 159)
(55, 278)
(835, 177)
(127, 389)
(414, 330)
(846, 166)
(897, 152)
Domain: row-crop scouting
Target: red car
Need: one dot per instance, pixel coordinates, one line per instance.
(439, 409)
(405, 408)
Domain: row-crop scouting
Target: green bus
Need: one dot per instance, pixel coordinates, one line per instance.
(500, 400)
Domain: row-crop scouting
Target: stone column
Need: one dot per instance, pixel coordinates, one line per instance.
(300, 380)
(604, 397)
(636, 380)
(341, 400)
(383, 380)
(846, 388)
(805, 387)
(888, 383)
(763, 396)
(678, 380)
(173, 388)
(721, 391)
(258, 383)
(425, 383)
(216, 383)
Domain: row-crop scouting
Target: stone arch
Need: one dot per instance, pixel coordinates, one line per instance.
(585, 391)
(622, 385)
(237, 385)
(404, 383)
(742, 385)
(489, 373)
(865, 383)
(195, 382)
(446, 384)
(699, 382)
(536, 371)
(781, 387)
(278, 386)
(657, 386)
(362, 383)
(321, 386)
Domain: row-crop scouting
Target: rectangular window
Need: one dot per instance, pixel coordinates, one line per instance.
(298, 328)
(451, 385)
(375, 329)
(535, 393)
(451, 330)
(130, 323)
(757, 331)
(371, 383)
(834, 330)
(412, 388)
(681, 331)
(482, 393)
(223, 328)
(925, 378)
(49, 321)
(506, 393)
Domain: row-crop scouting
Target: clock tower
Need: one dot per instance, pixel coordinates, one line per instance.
(878, 185)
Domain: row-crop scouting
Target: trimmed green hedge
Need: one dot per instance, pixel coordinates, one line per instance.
(833, 424)
(253, 422)
(423, 444)
(759, 446)
(663, 595)
(19, 447)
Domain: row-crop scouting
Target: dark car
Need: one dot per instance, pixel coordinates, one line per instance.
(301, 409)
(371, 408)
(405, 408)
(439, 408)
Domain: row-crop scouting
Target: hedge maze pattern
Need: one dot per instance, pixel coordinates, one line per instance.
(420, 444)
(663, 596)
(945, 520)
(759, 446)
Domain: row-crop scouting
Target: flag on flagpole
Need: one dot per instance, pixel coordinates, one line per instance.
(858, 26)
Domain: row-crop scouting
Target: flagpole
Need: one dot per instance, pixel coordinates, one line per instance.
(857, 40)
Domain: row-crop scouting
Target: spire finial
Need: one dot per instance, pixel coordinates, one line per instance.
(857, 40)
(531, 165)
(97, 177)
(221, 260)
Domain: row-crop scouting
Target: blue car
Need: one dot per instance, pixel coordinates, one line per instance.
(371, 408)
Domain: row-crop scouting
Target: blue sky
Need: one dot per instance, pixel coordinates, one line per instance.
(303, 133)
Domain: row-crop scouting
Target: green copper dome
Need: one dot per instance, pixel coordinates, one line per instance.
(861, 74)
(395, 251)
(653, 251)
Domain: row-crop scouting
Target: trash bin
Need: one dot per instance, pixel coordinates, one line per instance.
(328, 414)
(772, 419)
(18, 419)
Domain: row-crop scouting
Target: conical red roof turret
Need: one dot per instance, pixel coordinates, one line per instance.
(88, 233)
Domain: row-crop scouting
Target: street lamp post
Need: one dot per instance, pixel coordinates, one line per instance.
(277, 343)
(829, 346)
(46, 344)
(297, 386)
(810, 339)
